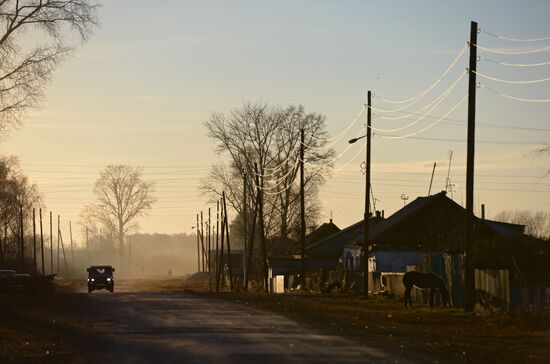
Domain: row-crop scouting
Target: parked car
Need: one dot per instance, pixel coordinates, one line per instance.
(101, 277)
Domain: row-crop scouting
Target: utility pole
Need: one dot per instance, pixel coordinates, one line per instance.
(302, 214)
(252, 231)
(34, 240)
(432, 179)
(262, 232)
(221, 262)
(42, 243)
(58, 240)
(209, 249)
(244, 228)
(229, 261)
(198, 247)
(469, 284)
(202, 243)
(64, 256)
(87, 245)
(367, 202)
(71, 237)
(51, 244)
(22, 239)
(217, 245)
(129, 255)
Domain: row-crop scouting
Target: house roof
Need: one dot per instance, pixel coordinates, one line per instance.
(336, 241)
(384, 230)
(323, 231)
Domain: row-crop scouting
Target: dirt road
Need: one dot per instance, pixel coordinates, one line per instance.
(164, 327)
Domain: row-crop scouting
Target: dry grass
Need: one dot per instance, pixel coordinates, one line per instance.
(444, 335)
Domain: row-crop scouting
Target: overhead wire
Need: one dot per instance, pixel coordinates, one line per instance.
(429, 126)
(515, 97)
(511, 81)
(426, 91)
(516, 39)
(340, 135)
(280, 165)
(282, 178)
(329, 161)
(516, 64)
(516, 53)
(417, 112)
(351, 160)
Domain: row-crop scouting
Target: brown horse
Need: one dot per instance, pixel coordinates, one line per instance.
(425, 280)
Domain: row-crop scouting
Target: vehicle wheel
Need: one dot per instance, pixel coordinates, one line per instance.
(111, 290)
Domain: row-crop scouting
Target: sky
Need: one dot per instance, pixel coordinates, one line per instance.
(140, 89)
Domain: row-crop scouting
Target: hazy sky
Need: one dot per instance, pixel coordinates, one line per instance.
(140, 89)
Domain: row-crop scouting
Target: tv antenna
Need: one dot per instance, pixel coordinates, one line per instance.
(449, 187)
(404, 198)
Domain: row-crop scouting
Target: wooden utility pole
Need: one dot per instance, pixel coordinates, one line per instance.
(367, 202)
(262, 233)
(229, 260)
(22, 239)
(245, 202)
(469, 284)
(198, 247)
(252, 232)
(71, 237)
(42, 243)
(63, 251)
(34, 240)
(302, 213)
(202, 243)
(51, 244)
(87, 246)
(58, 240)
(209, 249)
(217, 263)
(221, 262)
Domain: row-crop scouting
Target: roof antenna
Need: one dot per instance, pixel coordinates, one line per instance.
(449, 187)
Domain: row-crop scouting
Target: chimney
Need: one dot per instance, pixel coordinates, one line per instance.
(382, 213)
(378, 214)
(483, 211)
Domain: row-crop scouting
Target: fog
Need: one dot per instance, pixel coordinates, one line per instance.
(142, 255)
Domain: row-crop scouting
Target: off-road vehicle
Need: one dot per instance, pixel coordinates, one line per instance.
(101, 277)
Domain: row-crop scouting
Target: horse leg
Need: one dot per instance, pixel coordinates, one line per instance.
(432, 293)
(407, 294)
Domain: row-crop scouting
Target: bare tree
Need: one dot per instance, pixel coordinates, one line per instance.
(25, 70)
(16, 194)
(269, 136)
(122, 197)
(537, 223)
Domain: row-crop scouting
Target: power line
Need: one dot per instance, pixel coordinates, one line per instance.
(511, 81)
(477, 141)
(514, 97)
(515, 39)
(517, 53)
(429, 126)
(517, 64)
(437, 101)
(426, 91)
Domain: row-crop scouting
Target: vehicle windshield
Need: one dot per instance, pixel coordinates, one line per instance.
(101, 271)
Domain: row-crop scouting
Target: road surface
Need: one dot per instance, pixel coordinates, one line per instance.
(164, 327)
